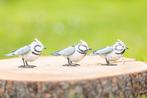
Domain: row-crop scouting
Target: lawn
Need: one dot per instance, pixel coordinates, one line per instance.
(60, 23)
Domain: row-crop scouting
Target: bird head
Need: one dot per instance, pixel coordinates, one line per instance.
(37, 46)
(119, 47)
(82, 47)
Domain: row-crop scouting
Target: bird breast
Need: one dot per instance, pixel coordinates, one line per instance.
(30, 57)
(113, 57)
(75, 57)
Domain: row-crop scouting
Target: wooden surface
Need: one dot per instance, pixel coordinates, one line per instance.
(51, 69)
(90, 80)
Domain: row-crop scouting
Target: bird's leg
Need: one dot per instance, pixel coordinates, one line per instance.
(71, 64)
(24, 64)
(27, 63)
(107, 61)
(29, 66)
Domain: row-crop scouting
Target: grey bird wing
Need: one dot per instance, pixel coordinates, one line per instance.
(104, 51)
(22, 51)
(65, 52)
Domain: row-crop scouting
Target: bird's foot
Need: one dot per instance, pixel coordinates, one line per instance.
(109, 64)
(71, 65)
(28, 66)
(75, 64)
(66, 65)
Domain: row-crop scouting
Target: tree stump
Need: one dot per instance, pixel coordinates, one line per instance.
(90, 80)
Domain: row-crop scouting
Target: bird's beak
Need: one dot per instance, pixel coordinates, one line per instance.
(127, 48)
(90, 49)
(45, 48)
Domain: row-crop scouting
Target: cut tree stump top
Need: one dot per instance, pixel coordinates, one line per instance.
(51, 69)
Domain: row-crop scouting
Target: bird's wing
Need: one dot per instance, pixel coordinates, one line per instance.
(22, 51)
(104, 51)
(65, 52)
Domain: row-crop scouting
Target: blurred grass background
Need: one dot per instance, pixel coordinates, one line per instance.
(60, 23)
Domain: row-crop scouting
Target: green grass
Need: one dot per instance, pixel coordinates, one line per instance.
(59, 23)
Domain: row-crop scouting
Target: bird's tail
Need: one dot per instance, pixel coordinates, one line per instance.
(95, 53)
(10, 54)
(55, 53)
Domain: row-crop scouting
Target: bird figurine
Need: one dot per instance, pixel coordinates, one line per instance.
(29, 53)
(112, 53)
(74, 53)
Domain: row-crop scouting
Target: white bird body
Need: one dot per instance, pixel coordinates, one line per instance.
(113, 56)
(30, 57)
(76, 56)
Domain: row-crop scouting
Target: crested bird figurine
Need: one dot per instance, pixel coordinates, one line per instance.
(74, 53)
(29, 53)
(112, 53)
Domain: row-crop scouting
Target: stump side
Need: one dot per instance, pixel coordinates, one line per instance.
(123, 86)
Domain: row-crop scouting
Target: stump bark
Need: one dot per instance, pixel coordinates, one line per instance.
(90, 80)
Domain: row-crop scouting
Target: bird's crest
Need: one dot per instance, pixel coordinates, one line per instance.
(38, 41)
(83, 42)
(120, 41)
